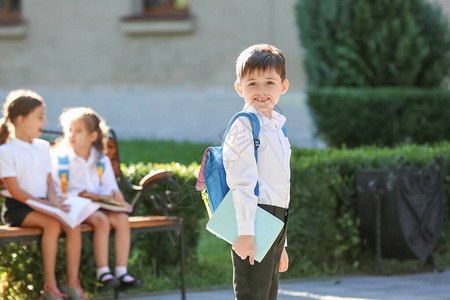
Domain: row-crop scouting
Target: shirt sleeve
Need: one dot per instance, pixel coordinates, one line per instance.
(108, 181)
(7, 165)
(43, 147)
(48, 161)
(242, 173)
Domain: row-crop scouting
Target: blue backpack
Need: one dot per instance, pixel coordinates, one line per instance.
(212, 172)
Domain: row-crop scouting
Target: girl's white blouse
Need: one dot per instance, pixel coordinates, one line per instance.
(29, 163)
(83, 174)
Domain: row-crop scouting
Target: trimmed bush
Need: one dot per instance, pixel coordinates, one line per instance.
(159, 251)
(381, 116)
(323, 234)
(153, 258)
(357, 43)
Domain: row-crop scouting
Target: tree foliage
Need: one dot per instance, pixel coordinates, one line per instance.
(370, 43)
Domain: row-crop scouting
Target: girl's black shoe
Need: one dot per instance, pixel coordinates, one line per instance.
(105, 285)
(124, 285)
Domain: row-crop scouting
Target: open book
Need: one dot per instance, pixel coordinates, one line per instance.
(107, 202)
(80, 210)
(223, 224)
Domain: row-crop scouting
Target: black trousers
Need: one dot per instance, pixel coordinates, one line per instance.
(260, 281)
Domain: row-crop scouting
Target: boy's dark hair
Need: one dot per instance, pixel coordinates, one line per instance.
(18, 103)
(261, 57)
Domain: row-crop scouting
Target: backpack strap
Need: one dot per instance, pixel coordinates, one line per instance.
(63, 172)
(255, 127)
(255, 131)
(201, 175)
(283, 128)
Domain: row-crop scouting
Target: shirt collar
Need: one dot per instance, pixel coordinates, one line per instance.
(22, 143)
(91, 159)
(277, 118)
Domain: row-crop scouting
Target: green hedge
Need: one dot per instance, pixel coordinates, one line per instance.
(358, 43)
(189, 206)
(323, 234)
(153, 258)
(380, 116)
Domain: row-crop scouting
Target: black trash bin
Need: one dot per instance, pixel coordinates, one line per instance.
(401, 210)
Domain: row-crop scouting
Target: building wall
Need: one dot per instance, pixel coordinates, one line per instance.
(82, 44)
(166, 85)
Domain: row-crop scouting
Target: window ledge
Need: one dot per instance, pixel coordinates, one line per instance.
(16, 29)
(142, 25)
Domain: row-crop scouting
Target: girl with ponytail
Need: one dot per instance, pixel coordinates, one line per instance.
(25, 169)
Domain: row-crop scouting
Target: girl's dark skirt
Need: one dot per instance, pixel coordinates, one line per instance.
(14, 212)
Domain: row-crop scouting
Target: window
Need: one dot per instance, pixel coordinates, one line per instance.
(158, 17)
(10, 11)
(166, 8)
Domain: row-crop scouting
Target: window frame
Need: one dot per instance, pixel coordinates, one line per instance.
(8, 16)
(164, 11)
(165, 20)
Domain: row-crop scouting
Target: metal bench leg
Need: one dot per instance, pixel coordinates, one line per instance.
(183, 291)
(378, 260)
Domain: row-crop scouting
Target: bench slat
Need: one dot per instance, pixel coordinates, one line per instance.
(136, 222)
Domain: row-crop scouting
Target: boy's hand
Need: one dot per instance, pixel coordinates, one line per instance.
(284, 261)
(118, 196)
(245, 246)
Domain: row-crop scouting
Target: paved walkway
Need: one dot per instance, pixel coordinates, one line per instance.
(424, 286)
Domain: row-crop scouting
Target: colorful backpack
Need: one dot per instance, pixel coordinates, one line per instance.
(212, 172)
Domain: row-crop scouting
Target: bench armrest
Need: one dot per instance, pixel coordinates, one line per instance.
(154, 176)
(165, 196)
(158, 186)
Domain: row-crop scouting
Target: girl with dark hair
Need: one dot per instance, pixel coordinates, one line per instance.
(25, 169)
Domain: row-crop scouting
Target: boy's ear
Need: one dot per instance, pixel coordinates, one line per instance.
(238, 87)
(284, 86)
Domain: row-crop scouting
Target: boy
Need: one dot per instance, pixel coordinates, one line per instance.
(261, 80)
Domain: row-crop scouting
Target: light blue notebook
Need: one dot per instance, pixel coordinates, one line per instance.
(223, 224)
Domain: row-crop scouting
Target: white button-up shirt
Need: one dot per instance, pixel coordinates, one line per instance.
(272, 171)
(83, 174)
(29, 163)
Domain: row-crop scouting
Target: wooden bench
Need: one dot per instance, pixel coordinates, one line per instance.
(138, 224)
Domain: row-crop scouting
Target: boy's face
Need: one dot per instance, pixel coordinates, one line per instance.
(262, 90)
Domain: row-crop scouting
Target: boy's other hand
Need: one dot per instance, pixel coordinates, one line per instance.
(245, 246)
(284, 261)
